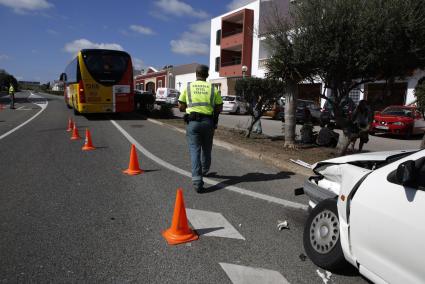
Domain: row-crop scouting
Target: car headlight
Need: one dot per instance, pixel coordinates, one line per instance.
(399, 123)
(374, 121)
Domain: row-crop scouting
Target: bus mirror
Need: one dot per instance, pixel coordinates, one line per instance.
(62, 77)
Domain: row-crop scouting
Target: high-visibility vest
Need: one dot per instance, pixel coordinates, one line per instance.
(11, 89)
(200, 97)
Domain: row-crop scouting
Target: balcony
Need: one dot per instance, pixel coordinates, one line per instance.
(234, 39)
(231, 71)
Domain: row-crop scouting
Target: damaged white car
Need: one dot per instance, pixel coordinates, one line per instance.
(368, 210)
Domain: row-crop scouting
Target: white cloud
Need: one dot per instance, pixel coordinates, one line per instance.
(52, 32)
(4, 57)
(22, 6)
(187, 47)
(194, 41)
(235, 4)
(141, 29)
(179, 8)
(138, 64)
(78, 44)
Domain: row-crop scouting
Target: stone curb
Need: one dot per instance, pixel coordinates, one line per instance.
(285, 165)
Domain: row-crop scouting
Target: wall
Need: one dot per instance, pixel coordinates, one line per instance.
(184, 79)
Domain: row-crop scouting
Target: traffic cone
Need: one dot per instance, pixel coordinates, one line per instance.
(133, 166)
(179, 232)
(88, 145)
(75, 135)
(70, 125)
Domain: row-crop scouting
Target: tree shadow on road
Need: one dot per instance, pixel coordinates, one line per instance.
(249, 177)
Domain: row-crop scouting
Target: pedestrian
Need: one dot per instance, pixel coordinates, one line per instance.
(306, 130)
(256, 128)
(202, 104)
(362, 117)
(12, 96)
(327, 137)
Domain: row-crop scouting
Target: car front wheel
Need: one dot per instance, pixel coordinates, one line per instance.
(321, 236)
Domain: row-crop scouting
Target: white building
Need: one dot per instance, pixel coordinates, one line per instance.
(235, 42)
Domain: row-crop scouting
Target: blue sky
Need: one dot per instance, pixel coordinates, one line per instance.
(39, 37)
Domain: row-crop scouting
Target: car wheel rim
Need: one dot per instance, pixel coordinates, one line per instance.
(324, 232)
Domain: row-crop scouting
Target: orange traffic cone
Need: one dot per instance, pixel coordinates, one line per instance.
(70, 125)
(88, 145)
(179, 232)
(133, 166)
(75, 135)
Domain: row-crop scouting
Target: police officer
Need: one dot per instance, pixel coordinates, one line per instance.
(12, 96)
(202, 104)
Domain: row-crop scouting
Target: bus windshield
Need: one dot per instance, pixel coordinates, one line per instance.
(105, 66)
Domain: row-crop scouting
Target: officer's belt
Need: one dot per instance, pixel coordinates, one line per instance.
(196, 116)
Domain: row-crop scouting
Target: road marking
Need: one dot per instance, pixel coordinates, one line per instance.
(43, 107)
(212, 224)
(272, 199)
(239, 274)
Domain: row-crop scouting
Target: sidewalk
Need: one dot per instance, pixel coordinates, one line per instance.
(267, 149)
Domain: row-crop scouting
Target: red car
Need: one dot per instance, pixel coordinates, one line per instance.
(398, 120)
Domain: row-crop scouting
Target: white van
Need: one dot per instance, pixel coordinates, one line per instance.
(167, 95)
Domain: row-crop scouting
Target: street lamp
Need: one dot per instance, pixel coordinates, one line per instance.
(244, 69)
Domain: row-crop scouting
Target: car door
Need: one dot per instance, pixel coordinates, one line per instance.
(387, 231)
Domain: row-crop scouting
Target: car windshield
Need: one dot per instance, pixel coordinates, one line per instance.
(397, 111)
(229, 99)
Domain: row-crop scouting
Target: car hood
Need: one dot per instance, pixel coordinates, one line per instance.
(392, 118)
(370, 156)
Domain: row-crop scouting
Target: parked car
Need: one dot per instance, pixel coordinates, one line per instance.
(162, 94)
(367, 210)
(328, 113)
(234, 104)
(143, 101)
(300, 111)
(398, 120)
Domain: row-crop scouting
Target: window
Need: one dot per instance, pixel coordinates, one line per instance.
(217, 64)
(355, 95)
(72, 72)
(218, 37)
(159, 83)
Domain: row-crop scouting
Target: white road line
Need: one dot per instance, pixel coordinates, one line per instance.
(43, 107)
(144, 151)
(239, 274)
(212, 224)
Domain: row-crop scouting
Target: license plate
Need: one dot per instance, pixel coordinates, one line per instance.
(381, 127)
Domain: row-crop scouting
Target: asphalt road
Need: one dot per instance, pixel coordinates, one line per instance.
(73, 216)
(274, 128)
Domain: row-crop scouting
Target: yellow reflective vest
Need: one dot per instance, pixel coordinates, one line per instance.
(11, 90)
(200, 97)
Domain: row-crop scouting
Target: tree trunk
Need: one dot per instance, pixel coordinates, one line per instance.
(290, 123)
(423, 143)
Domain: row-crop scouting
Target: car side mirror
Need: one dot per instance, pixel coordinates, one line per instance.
(406, 173)
(63, 77)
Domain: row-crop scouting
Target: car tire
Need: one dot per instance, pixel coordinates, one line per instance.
(321, 236)
(238, 111)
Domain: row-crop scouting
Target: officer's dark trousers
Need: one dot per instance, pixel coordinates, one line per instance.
(200, 139)
(12, 101)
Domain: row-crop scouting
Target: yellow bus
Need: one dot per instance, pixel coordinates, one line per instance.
(99, 81)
